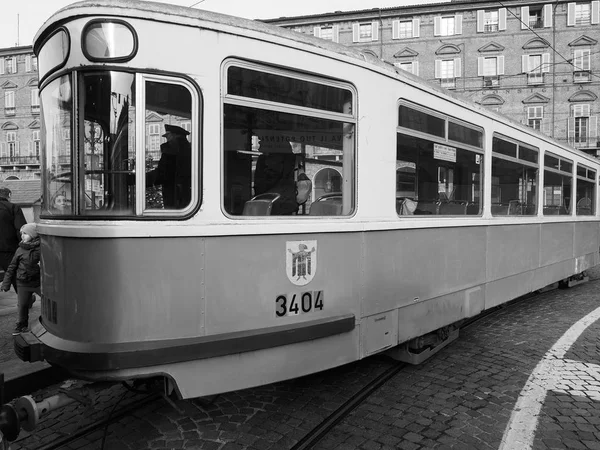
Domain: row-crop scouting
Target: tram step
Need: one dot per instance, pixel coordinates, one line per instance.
(402, 353)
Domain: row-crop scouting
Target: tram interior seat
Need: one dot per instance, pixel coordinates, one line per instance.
(473, 209)
(260, 205)
(499, 209)
(427, 207)
(327, 205)
(584, 207)
(453, 208)
(552, 210)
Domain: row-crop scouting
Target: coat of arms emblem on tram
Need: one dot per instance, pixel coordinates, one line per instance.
(301, 261)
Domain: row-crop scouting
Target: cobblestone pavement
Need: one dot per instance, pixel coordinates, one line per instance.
(464, 397)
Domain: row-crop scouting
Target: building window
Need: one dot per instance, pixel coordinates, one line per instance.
(9, 103)
(329, 33)
(35, 101)
(36, 144)
(535, 66)
(582, 126)
(405, 29)
(365, 32)
(490, 68)
(535, 115)
(409, 66)
(11, 142)
(447, 70)
(586, 191)
(447, 25)
(31, 63)
(154, 132)
(11, 65)
(581, 66)
(583, 13)
(490, 21)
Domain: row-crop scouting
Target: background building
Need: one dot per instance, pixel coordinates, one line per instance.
(536, 62)
(19, 115)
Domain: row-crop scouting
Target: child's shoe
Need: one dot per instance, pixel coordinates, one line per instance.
(19, 329)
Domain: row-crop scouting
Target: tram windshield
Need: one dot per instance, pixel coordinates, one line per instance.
(92, 171)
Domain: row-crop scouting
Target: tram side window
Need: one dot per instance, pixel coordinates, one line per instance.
(272, 151)
(558, 181)
(436, 179)
(514, 178)
(586, 191)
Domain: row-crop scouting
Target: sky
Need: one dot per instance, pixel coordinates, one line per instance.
(21, 19)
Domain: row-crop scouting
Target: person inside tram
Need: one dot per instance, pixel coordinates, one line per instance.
(275, 173)
(173, 172)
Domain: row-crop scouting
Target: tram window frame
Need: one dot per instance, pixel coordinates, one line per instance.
(585, 191)
(112, 175)
(120, 58)
(515, 177)
(557, 170)
(45, 47)
(423, 151)
(260, 125)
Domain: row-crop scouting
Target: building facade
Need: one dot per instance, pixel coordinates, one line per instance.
(19, 115)
(536, 62)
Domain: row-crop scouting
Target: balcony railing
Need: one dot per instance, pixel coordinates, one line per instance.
(536, 23)
(18, 160)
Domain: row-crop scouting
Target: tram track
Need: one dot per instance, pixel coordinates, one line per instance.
(320, 431)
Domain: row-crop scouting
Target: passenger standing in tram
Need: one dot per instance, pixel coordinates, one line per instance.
(11, 221)
(25, 269)
(174, 170)
(275, 173)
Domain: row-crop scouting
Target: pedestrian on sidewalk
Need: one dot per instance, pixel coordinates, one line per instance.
(11, 221)
(25, 268)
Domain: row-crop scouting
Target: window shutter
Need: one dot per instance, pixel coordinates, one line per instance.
(14, 64)
(29, 150)
(438, 67)
(502, 19)
(28, 63)
(355, 32)
(525, 63)
(524, 17)
(480, 66)
(457, 68)
(415, 66)
(17, 148)
(570, 14)
(416, 23)
(437, 22)
(595, 19)
(593, 129)
(458, 24)
(500, 62)
(1, 66)
(3, 149)
(480, 13)
(375, 31)
(317, 31)
(547, 16)
(571, 130)
(336, 33)
(395, 29)
(546, 62)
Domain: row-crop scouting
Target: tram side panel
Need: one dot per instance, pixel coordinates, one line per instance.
(260, 283)
(431, 276)
(130, 289)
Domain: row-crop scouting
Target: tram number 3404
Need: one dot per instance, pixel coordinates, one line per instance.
(302, 303)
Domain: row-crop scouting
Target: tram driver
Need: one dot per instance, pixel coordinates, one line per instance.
(174, 169)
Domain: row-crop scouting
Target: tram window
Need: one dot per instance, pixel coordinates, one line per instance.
(558, 181)
(262, 85)
(421, 121)
(514, 178)
(465, 135)
(168, 157)
(108, 40)
(436, 179)
(586, 191)
(58, 171)
(264, 152)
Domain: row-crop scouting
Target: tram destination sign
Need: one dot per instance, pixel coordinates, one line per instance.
(444, 152)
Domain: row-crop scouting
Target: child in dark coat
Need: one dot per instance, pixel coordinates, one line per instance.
(25, 269)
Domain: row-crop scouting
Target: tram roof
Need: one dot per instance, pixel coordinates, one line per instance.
(181, 15)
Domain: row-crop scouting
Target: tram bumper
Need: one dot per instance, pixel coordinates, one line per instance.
(28, 347)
